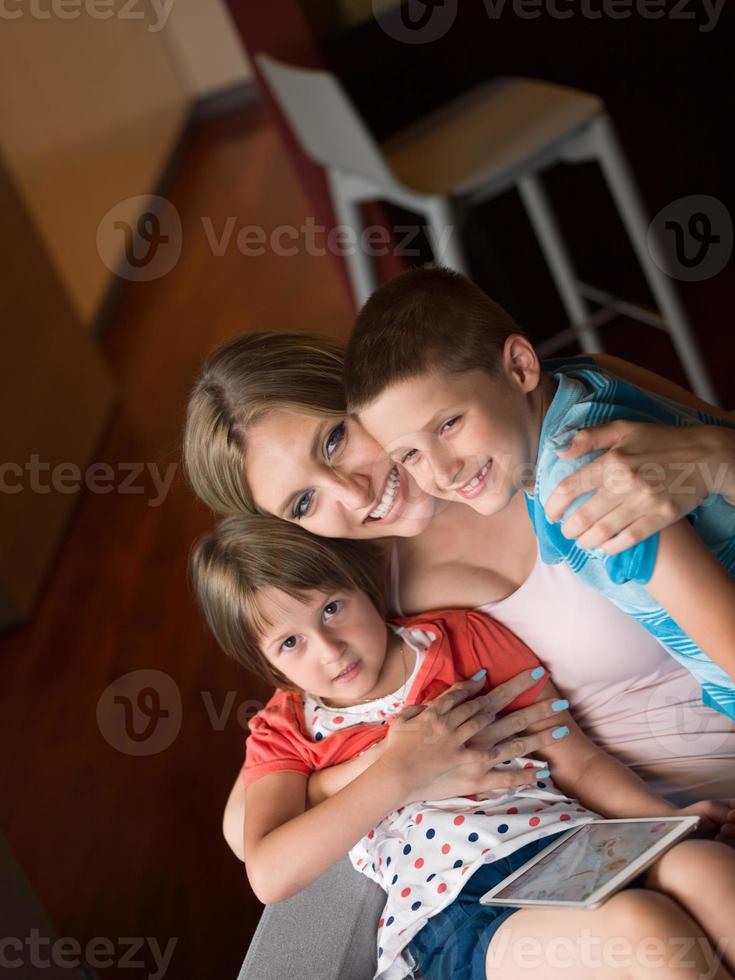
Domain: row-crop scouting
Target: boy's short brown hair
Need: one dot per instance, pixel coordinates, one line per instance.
(245, 554)
(423, 320)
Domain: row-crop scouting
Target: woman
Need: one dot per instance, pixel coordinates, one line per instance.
(266, 431)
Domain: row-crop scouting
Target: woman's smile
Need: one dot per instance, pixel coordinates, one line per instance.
(391, 500)
(338, 489)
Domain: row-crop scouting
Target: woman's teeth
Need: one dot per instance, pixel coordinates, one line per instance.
(389, 495)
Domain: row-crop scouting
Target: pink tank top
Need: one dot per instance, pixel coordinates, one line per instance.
(624, 689)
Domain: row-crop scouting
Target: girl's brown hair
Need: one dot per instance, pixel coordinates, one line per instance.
(242, 381)
(245, 554)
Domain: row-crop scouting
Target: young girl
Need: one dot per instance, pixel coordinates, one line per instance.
(307, 613)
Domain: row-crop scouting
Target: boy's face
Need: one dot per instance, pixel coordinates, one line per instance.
(332, 644)
(468, 438)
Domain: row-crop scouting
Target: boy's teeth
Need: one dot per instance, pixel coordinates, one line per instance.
(475, 481)
(389, 495)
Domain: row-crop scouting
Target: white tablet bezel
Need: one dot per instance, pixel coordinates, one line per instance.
(685, 826)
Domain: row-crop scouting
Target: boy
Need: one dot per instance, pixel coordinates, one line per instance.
(440, 376)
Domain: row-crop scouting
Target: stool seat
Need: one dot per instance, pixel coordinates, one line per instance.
(501, 134)
(485, 134)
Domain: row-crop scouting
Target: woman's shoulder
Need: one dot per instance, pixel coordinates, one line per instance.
(465, 566)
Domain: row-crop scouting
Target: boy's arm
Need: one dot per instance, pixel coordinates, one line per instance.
(278, 860)
(599, 781)
(697, 592)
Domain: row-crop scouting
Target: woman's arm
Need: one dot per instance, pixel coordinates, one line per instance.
(697, 592)
(501, 734)
(600, 782)
(504, 734)
(287, 846)
(651, 475)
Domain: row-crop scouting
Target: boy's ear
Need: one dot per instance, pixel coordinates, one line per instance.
(521, 362)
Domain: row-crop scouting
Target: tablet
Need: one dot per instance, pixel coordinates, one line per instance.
(590, 862)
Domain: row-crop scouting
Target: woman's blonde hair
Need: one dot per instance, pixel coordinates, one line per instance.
(242, 381)
(245, 554)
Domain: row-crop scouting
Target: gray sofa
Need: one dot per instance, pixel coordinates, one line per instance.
(326, 932)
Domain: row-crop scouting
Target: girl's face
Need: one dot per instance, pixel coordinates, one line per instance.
(332, 645)
(332, 478)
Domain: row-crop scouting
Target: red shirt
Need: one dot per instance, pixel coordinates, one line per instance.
(466, 641)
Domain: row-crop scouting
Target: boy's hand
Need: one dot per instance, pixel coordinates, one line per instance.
(718, 819)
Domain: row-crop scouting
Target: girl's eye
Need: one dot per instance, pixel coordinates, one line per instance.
(289, 643)
(302, 506)
(334, 440)
(410, 456)
(332, 608)
(450, 423)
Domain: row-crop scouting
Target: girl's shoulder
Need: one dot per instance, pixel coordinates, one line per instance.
(284, 709)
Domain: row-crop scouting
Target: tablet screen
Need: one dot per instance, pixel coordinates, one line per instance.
(591, 857)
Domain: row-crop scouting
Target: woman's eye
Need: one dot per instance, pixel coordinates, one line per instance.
(334, 439)
(450, 423)
(410, 456)
(332, 608)
(302, 506)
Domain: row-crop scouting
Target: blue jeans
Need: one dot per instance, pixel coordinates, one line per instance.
(453, 944)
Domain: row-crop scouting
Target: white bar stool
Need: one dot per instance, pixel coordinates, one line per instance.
(499, 135)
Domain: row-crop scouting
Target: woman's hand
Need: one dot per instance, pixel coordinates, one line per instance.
(449, 746)
(718, 819)
(650, 477)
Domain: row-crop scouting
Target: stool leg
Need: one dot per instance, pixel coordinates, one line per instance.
(627, 199)
(359, 265)
(557, 257)
(444, 236)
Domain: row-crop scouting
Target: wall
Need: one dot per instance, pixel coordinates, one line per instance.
(92, 109)
(205, 46)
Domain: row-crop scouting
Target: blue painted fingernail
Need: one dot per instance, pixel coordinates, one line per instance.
(543, 774)
(479, 675)
(537, 672)
(560, 705)
(560, 732)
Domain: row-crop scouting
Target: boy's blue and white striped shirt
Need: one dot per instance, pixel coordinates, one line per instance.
(587, 396)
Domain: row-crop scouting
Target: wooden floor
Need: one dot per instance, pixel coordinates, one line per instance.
(117, 845)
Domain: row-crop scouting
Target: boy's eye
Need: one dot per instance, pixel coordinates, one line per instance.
(450, 423)
(302, 506)
(410, 456)
(332, 608)
(334, 440)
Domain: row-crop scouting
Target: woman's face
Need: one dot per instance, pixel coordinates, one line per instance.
(332, 478)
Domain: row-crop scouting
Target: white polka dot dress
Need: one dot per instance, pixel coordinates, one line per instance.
(422, 854)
